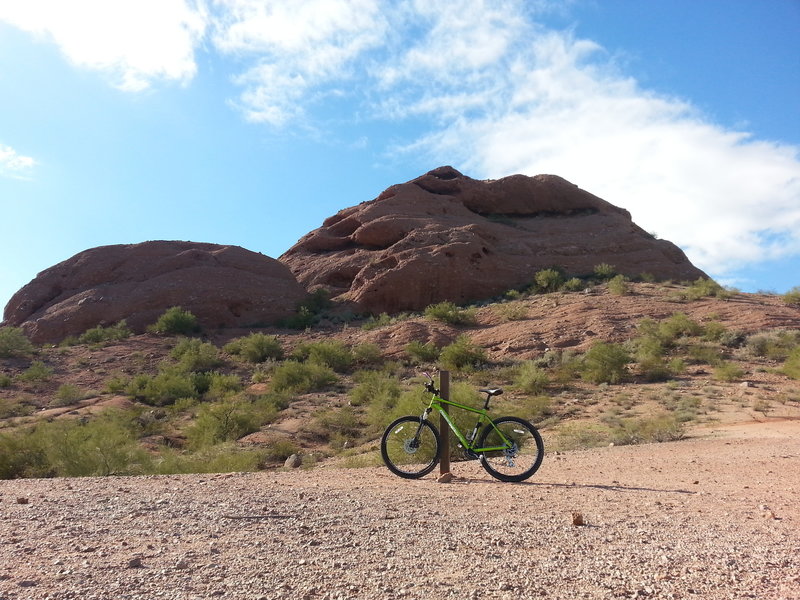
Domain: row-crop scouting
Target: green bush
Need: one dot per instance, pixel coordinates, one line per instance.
(195, 355)
(617, 285)
(21, 455)
(5, 380)
(68, 393)
(373, 322)
(335, 425)
(604, 271)
(224, 421)
(726, 371)
(776, 344)
(548, 280)
(792, 297)
(661, 428)
(38, 372)
(676, 326)
(605, 363)
(100, 334)
(529, 378)
(374, 387)
(791, 368)
(330, 353)
(13, 342)
(511, 311)
(162, 389)
(300, 378)
(420, 353)
(367, 354)
(449, 313)
(256, 348)
(704, 288)
(175, 321)
(462, 355)
(102, 446)
(573, 284)
(220, 458)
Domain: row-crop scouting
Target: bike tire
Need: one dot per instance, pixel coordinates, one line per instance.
(519, 462)
(405, 456)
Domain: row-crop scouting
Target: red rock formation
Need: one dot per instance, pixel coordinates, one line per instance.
(445, 236)
(223, 286)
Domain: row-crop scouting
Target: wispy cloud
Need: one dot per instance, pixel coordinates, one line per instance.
(499, 91)
(15, 165)
(134, 42)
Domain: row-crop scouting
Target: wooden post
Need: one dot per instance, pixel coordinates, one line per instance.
(444, 428)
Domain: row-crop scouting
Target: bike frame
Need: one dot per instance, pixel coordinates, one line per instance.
(439, 405)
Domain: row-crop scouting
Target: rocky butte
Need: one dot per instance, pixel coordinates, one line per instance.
(223, 286)
(445, 236)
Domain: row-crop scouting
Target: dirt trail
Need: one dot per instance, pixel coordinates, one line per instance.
(708, 517)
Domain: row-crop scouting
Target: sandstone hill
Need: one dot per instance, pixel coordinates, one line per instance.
(445, 236)
(223, 286)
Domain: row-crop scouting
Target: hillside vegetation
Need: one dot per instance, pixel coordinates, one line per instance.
(590, 363)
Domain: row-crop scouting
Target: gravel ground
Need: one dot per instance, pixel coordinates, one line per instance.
(711, 517)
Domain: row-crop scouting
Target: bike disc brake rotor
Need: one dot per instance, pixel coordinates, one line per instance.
(411, 445)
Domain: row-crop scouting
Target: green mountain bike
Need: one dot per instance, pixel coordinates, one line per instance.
(509, 448)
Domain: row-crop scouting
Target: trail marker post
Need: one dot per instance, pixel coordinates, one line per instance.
(444, 428)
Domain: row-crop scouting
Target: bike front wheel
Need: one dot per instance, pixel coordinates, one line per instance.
(410, 447)
(522, 449)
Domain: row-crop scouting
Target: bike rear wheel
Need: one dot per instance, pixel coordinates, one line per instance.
(520, 458)
(409, 448)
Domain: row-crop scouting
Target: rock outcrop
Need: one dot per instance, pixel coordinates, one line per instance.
(445, 236)
(224, 286)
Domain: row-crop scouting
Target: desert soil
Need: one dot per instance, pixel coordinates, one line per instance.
(712, 516)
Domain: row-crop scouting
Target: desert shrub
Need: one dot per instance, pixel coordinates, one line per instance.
(175, 321)
(296, 377)
(791, 368)
(531, 408)
(15, 408)
(573, 284)
(447, 312)
(105, 445)
(605, 363)
(792, 297)
(162, 389)
(374, 387)
(278, 450)
(511, 311)
(705, 355)
(529, 378)
(21, 455)
(5, 380)
(617, 285)
(256, 348)
(776, 344)
(195, 355)
(704, 288)
(68, 393)
(660, 428)
(367, 354)
(220, 458)
(223, 421)
(604, 271)
(420, 353)
(309, 310)
(714, 331)
(220, 385)
(373, 322)
(648, 351)
(727, 371)
(676, 326)
(38, 372)
(462, 355)
(100, 334)
(548, 280)
(330, 353)
(13, 342)
(335, 425)
(578, 436)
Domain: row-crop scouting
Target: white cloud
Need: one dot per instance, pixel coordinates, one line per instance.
(15, 165)
(297, 47)
(134, 42)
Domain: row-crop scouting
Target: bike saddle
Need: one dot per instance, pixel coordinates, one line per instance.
(492, 391)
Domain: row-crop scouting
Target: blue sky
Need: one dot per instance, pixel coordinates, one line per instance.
(248, 122)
